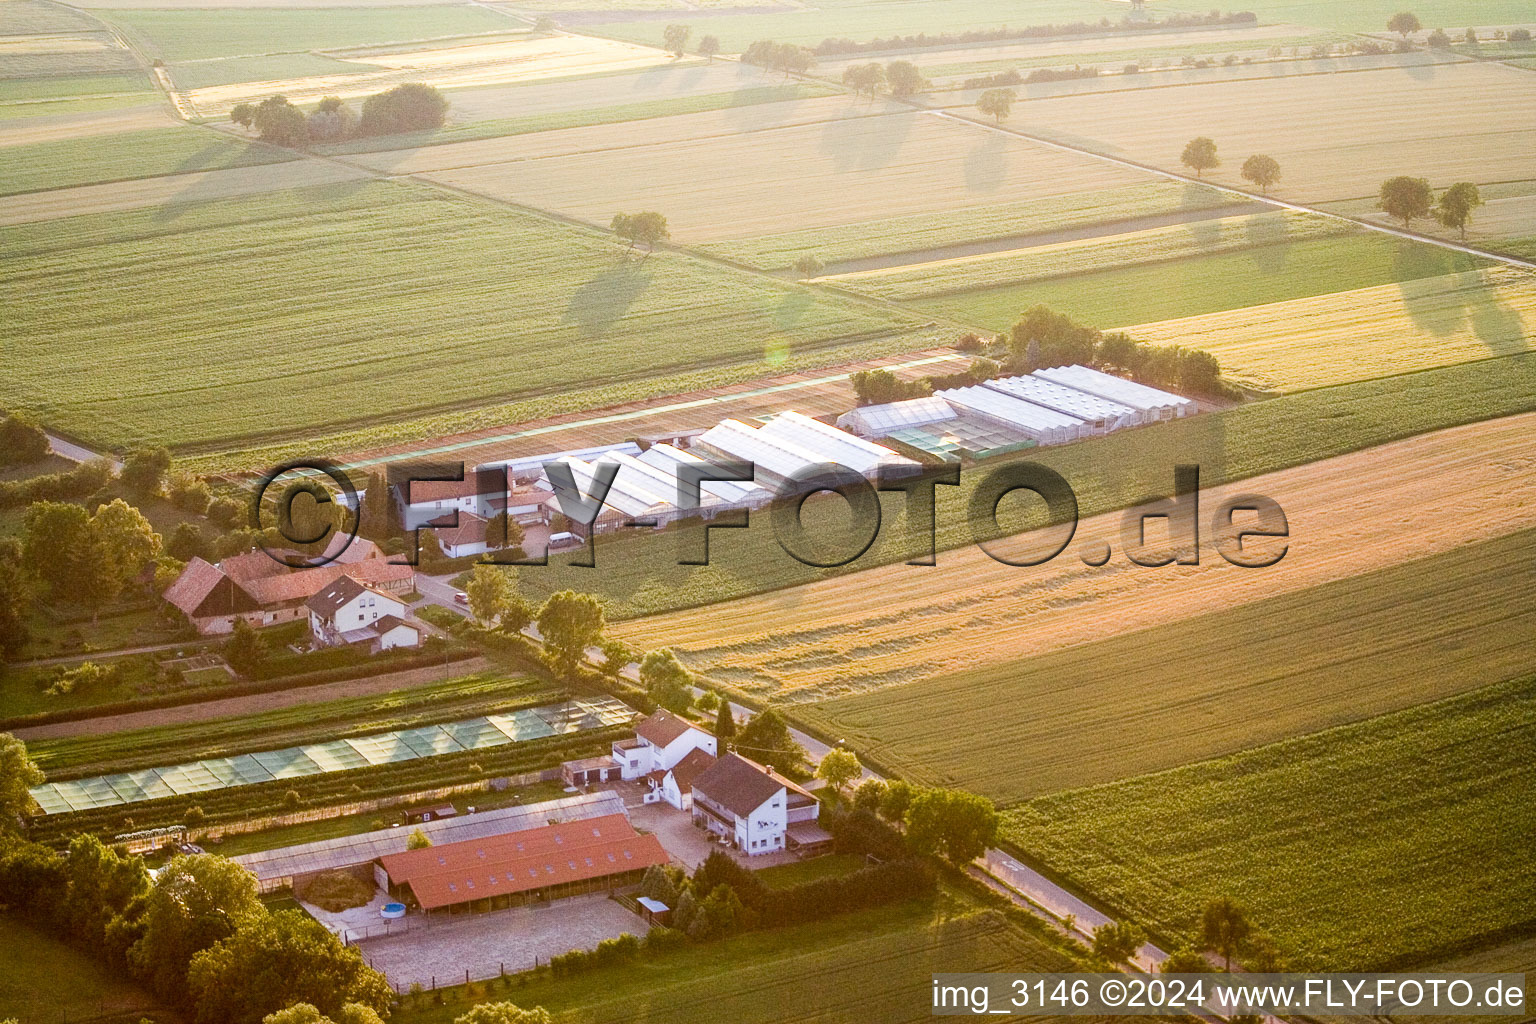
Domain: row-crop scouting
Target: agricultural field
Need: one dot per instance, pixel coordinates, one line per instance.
(448, 265)
(840, 171)
(1154, 698)
(1447, 123)
(42, 979)
(1385, 330)
(1371, 15)
(1426, 812)
(1126, 295)
(1506, 222)
(26, 92)
(295, 725)
(150, 153)
(890, 626)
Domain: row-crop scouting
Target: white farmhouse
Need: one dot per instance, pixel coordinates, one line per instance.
(349, 612)
(661, 741)
(675, 785)
(755, 808)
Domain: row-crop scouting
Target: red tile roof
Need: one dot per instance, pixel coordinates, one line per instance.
(306, 583)
(690, 768)
(514, 862)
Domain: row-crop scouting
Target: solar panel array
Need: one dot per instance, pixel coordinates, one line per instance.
(578, 715)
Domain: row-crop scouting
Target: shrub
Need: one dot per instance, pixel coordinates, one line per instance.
(21, 440)
(1519, 35)
(335, 891)
(411, 107)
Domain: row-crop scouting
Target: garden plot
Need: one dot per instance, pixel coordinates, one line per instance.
(830, 173)
(1335, 136)
(465, 64)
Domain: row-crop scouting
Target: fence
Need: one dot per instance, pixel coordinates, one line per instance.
(309, 814)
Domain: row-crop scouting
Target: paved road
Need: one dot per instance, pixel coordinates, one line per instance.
(78, 453)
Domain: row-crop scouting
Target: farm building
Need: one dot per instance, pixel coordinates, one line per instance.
(1035, 422)
(348, 612)
(726, 493)
(640, 495)
(776, 460)
(755, 808)
(675, 785)
(467, 537)
(285, 866)
(790, 444)
(533, 864)
(876, 421)
(833, 445)
(661, 740)
(529, 468)
(1156, 404)
(1101, 414)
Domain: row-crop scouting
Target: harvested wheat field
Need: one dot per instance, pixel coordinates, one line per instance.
(469, 64)
(1347, 516)
(1335, 136)
(837, 172)
(1365, 333)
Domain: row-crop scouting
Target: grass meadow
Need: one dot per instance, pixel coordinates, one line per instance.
(285, 314)
(1155, 698)
(138, 154)
(1394, 842)
(44, 980)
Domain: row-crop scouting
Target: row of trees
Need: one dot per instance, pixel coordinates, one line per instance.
(1405, 23)
(900, 77)
(785, 57)
(1408, 198)
(831, 47)
(675, 39)
(411, 107)
(948, 823)
(1200, 156)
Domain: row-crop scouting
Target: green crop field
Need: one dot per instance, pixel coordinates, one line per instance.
(1394, 842)
(201, 74)
(196, 34)
(1155, 698)
(25, 89)
(138, 154)
(868, 966)
(210, 342)
(44, 980)
(1136, 294)
(1372, 15)
(290, 726)
(936, 231)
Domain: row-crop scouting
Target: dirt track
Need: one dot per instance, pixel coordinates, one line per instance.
(1347, 516)
(253, 704)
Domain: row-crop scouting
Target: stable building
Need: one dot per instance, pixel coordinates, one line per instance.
(528, 866)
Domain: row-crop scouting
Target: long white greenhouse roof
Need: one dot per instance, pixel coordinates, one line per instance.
(776, 455)
(832, 444)
(347, 851)
(631, 493)
(577, 715)
(914, 412)
(635, 474)
(1116, 389)
(1060, 397)
(532, 464)
(1009, 409)
(668, 458)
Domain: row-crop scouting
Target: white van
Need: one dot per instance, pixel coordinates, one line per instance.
(557, 540)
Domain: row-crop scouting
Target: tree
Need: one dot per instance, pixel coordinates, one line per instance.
(896, 799)
(243, 114)
(1404, 23)
(503, 1013)
(15, 600)
(725, 722)
(412, 107)
(674, 38)
(666, 680)
(570, 623)
(868, 796)
(1405, 198)
(839, 767)
(1200, 155)
(766, 739)
(1185, 960)
(195, 901)
(545, 23)
(996, 103)
(281, 123)
(276, 961)
(373, 516)
(645, 228)
(332, 121)
(103, 885)
(145, 472)
(18, 774)
(1264, 955)
(1456, 205)
(123, 545)
(190, 493)
(1438, 40)
(709, 46)
(503, 532)
(1262, 170)
(245, 650)
(305, 1013)
(1117, 941)
(864, 78)
(22, 441)
(225, 512)
(808, 266)
(417, 840)
(951, 824)
(490, 590)
(55, 539)
(1225, 927)
(785, 57)
(904, 79)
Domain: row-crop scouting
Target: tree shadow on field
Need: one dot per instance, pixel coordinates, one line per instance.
(792, 308)
(1266, 236)
(986, 165)
(1419, 269)
(865, 143)
(605, 299)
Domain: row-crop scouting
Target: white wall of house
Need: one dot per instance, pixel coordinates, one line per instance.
(675, 796)
(400, 636)
(645, 757)
(363, 610)
(762, 831)
(478, 547)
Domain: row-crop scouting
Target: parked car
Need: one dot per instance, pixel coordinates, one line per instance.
(460, 597)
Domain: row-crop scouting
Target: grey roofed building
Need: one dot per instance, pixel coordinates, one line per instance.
(277, 868)
(342, 590)
(739, 785)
